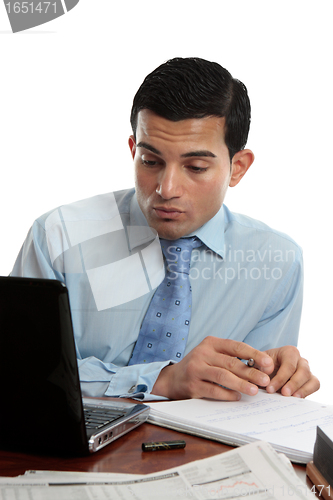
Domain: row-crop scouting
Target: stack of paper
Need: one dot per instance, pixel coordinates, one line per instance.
(289, 424)
(253, 470)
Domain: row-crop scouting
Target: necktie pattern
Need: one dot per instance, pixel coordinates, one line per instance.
(164, 330)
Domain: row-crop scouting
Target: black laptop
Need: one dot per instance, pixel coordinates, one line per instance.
(42, 407)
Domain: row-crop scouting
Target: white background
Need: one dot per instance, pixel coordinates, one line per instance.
(66, 94)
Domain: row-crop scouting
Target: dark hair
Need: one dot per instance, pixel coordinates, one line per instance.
(196, 88)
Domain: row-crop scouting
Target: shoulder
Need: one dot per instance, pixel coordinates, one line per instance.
(102, 207)
(245, 225)
(86, 222)
(252, 235)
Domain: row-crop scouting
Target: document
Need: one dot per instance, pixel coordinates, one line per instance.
(254, 470)
(289, 424)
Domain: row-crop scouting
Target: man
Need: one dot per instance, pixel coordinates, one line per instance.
(190, 122)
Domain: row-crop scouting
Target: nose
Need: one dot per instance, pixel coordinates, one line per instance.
(170, 183)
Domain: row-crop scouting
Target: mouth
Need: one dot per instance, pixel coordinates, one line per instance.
(167, 213)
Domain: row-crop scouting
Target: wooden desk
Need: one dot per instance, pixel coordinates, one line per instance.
(124, 455)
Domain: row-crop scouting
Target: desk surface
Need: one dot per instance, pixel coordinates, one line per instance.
(124, 455)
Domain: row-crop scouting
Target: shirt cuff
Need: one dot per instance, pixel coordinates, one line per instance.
(140, 392)
(136, 381)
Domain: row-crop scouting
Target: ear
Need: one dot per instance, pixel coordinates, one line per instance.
(240, 164)
(132, 145)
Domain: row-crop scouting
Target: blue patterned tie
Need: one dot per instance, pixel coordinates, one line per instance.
(164, 330)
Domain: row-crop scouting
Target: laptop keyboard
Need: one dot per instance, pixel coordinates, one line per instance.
(96, 418)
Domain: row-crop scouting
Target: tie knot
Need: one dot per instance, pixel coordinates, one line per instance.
(178, 253)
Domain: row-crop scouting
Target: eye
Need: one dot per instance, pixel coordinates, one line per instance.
(148, 163)
(197, 170)
(149, 160)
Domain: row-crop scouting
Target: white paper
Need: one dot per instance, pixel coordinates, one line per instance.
(254, 470)
(287, 423)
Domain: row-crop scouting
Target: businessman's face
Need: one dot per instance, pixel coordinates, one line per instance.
(182, 171)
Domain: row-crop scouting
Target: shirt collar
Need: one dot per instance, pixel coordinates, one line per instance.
(211, 233)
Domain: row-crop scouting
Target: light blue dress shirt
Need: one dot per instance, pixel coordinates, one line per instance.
(246, 283)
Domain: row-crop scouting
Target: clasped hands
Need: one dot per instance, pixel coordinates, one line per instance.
(213, 370)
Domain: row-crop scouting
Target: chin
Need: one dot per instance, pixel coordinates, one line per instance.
(170, 233)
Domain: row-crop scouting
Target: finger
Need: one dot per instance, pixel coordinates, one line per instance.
(311, 386)
(222, 370)
(238, 368)
(301, 376)
(209, 390)
(226, 378)
(287, 360)
(243, 351)
(302, 383)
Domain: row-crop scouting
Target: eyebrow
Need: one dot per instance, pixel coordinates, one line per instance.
(145, 145)
(199, 153)
(190, 154)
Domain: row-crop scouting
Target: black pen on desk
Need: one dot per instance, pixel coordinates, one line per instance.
(163, 445)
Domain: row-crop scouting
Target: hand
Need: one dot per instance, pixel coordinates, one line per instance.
(212, 364)
(291, 373)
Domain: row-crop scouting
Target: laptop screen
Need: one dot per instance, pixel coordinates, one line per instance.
(42, 406)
